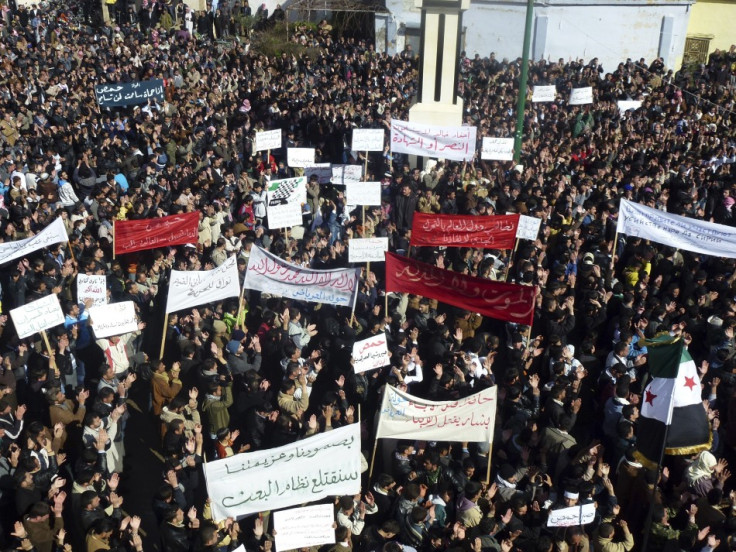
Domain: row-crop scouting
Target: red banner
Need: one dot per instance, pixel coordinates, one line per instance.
(484, 232)
(499, 300)
(137, 235)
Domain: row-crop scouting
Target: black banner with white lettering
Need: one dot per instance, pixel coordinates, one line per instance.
(129, 93)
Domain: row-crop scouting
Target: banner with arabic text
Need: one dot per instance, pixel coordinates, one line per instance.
(52, 234)
(113, 319)
(129, 93)
(37, 316)
(370, 353)
(499, 300)
(676, 231)
(454, 143)
(267, 273)
(327, 464)
(489, 232)
(198, 287)
(405, 416)
(137, 235)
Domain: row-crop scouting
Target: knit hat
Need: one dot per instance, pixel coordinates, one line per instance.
(233, 346)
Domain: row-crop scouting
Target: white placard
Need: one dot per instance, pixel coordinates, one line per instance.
(92, 287)
(327, 464)
(404, 416)
(568, 517)
(367, 250)
(304, 527)
(370, 353)
(544, 94)
(113, 319)
(323, 172)
(454, 143)
(284, 202)
(581, 96)
(37, 316)
(499, 149)
(53, 233)
(268, 140)
(676, 231)
(368, 139)
(528, 228)
(191, 288)
(300, 157)
(342, 174)
(626, 105)
(266, 272)
(363, 193)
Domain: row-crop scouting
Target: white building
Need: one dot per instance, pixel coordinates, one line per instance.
(610, 30)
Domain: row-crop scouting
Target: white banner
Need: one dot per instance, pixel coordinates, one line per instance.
(581, 96)
(53, 233)
(67, 197)
(367, 250)
(327, 464)
(528, 228)
(544, 94)
(267, 273)
(92, 287)
(342, 174)
(568, 517)
(676, 231)
(113, 319)
(323, 171)
(300, 157)
(198, 287)
(39, 315)
(370, 353)
(304, 527)
(268, 140)
(470, 419)
(626, 105)
(499, 149)
(285, 200)
(363, 193)
(454, 143)
(367, 139)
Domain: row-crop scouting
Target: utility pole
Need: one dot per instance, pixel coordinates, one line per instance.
(521, 100)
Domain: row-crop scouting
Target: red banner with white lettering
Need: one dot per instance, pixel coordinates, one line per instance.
(499, 300)
(484, 232)
(137, 235)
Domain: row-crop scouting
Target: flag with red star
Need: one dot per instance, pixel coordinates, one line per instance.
(671, 406)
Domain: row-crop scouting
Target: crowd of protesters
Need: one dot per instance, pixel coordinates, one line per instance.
(239, 377)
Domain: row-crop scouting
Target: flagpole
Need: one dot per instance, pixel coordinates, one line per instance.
(650, 512)
(613, 251)
(163, 337)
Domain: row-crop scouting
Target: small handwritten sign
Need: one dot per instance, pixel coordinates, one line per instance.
(370, 353)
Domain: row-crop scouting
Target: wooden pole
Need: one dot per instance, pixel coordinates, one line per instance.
(511, 260)
(613, 251)
(373, 459)
(52, 361)
(163, 337)
(71, 251)
(488, 470)
(113, 239)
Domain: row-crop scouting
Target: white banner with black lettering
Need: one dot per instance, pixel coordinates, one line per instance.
(343, 174)
(497, 149)
(363, 193)
(198, 287)
(92, 287)
(37, 316)
(544, 94)
(367, 250)
(304, 527)
(370, 353)
(270, 274)
(327, 464)
(300, 157)
(268, 140)
(404, 416)
(569, 517)
(528, 228)
(367, 139)
(676, 231)
(323, 172)
(113, 319)
(581, 96)
(454, 143)
(53, 233)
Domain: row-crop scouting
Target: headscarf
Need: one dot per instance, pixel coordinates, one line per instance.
(702, 467)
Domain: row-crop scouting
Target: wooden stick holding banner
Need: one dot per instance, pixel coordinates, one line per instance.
(71, 251)
(113, 239)
(163, 337)
(490, 454)
(52, 360)
(511, 260)
(613, 251)
(373, 459)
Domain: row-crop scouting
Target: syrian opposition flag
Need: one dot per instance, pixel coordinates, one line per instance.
(672, 414)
